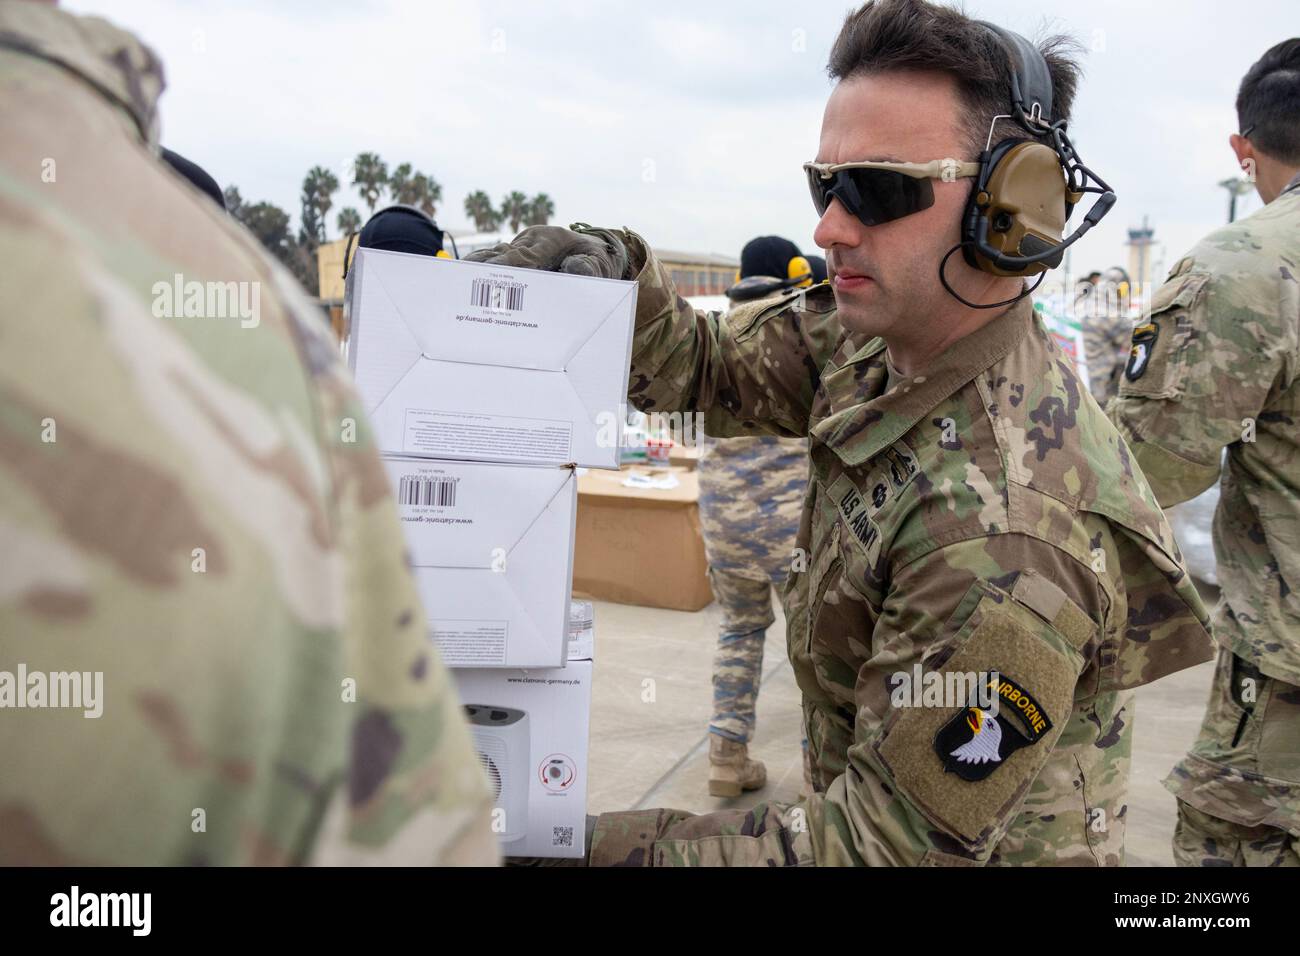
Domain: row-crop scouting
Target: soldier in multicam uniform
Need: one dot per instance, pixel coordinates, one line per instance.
(192, 506)
(969, 511)
(751, 496)
(1107, 330)
(1215, 365)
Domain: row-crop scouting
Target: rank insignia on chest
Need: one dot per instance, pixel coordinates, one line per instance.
(1144, 340)
(978, 740)
(856, 515)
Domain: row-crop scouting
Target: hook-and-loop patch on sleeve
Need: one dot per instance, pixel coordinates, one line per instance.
(1156, 363)
(964, 766)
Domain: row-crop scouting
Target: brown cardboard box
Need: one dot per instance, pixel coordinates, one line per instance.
(640, 545)
(686, 456)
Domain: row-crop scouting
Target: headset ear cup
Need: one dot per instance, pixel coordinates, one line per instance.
(799, 266)
(1018, 209)
(978, 204)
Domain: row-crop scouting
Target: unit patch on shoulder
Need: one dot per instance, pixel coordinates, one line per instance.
(1144, 341)
(977, 741)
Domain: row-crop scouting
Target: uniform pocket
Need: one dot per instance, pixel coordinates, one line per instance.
(1277, 719)
(967, 769)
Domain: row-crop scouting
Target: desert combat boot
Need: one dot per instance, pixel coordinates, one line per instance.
(731, 770)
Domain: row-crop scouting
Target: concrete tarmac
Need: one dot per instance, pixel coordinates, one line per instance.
(652, 701)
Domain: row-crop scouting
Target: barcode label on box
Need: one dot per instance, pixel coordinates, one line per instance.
(562, 836)
(416, 490)
(497, 294)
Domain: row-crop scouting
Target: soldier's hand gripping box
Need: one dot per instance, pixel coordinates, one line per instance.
(491, 549)
(530, 728)
(478, 362)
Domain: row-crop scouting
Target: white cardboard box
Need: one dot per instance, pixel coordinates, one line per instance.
(491, 549)
(582, 631)
(466, 360)
(531, 728)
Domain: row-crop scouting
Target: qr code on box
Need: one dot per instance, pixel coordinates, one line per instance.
(562, 836)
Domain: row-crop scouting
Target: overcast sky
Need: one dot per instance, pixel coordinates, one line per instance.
(687, 121)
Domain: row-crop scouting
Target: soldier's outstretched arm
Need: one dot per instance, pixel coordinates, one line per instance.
(923, 785)
(754, 371)
(1208, 356)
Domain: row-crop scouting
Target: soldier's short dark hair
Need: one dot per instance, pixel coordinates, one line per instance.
(1268, 102)
(889, 35)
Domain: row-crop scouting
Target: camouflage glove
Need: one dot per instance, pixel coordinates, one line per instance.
(580, 250)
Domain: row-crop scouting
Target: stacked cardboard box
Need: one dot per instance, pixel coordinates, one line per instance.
(530, 727)
(638, 539)
(487, 387)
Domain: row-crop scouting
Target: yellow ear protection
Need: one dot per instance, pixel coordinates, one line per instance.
(800, 271)
(1028, 186)
(797, 268)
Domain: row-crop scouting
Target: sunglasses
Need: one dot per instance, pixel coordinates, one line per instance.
(881, 192)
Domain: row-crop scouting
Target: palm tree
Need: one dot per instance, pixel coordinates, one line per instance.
(479, 209)
(370, 176)
(430, 194)
(415, 189)
(349, 221)
(514, 209)
(401, 185)
(318, 191)
(540, 210)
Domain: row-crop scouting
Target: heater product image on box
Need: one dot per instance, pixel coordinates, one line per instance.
(557, 773)
(502, 740)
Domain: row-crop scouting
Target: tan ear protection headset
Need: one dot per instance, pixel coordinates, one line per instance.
(1028, 186)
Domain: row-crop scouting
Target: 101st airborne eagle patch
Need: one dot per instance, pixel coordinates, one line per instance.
(976, 741)
(1139, 357)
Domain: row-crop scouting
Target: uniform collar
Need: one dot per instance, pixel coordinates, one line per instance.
(1295, 181)
(111, 60)
(865, 417)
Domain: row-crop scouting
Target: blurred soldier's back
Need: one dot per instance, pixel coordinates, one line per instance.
(198, 537)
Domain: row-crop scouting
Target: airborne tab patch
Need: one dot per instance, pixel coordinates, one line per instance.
(976, 742)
